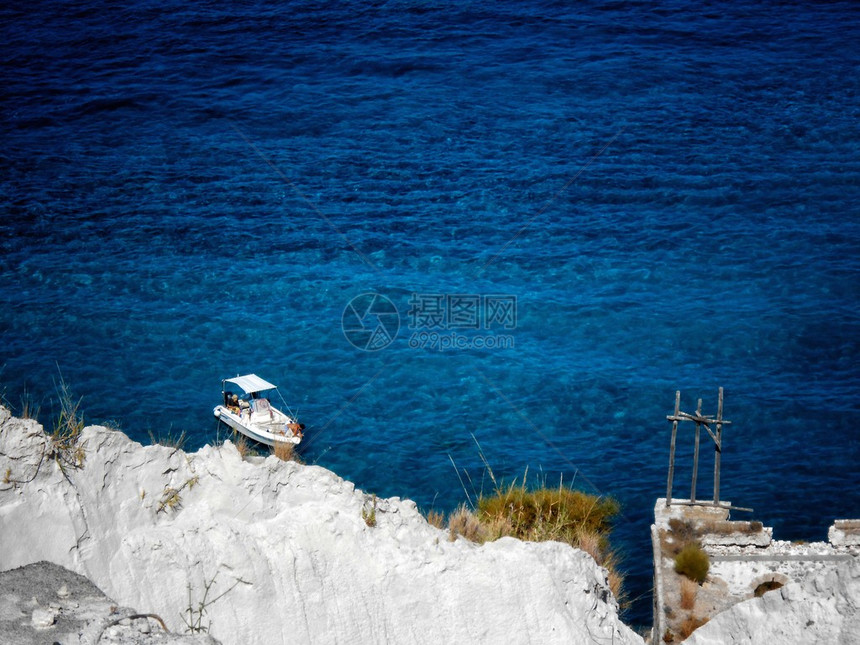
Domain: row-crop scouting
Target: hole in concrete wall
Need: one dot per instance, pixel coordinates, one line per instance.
(764, 587)
(769, 581)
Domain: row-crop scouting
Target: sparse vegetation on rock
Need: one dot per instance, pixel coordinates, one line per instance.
(285, 451)
(289, 531)
(689, 591)
(693, 562)
(689, 625)
(368, 513)
(169, 440)
(65, 448)
(560, 514)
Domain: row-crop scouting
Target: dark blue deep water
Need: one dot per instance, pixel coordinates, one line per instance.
(669, 191)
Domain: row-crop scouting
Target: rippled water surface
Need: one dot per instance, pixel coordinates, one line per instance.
(191, 191)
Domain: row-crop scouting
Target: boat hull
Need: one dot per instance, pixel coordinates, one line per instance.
(255, 431)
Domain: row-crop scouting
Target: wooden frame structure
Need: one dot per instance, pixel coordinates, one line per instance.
(705, 421)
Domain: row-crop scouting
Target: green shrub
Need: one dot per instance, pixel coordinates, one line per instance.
(693, 562)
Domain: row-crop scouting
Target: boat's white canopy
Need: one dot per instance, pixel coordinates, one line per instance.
(251, 383)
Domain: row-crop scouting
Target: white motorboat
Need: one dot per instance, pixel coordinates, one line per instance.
(253, 414)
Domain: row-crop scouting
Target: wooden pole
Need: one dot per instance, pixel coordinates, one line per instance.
(696, 453)
(718, 448)
(672, 448)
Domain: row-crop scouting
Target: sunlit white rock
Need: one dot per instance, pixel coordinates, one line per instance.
(284, 550)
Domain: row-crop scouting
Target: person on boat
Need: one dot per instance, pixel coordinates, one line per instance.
(238, 406)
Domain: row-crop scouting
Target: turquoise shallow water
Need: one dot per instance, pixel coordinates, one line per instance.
(668, 192)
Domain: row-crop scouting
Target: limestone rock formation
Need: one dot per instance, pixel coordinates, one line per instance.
(822, 610)
(267, 551)
(46, 603)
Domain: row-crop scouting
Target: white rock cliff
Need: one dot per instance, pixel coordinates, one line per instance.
(822, 610)
(283, 550)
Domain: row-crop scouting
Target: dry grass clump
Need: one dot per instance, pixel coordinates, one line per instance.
(435, 518)
(689, 590)
(285, 451)
(590, 542)
(689, 625)
(243, 447)
(67, 429)
(29, 408)
(462, 522)
(170, 440)
(682, 530)
(559, 514)
(615, 579)
(680, 534)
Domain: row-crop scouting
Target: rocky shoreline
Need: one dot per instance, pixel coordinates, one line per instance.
(276, 551)
(259, 550)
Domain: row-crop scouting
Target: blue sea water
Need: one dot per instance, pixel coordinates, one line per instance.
(668, 190)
